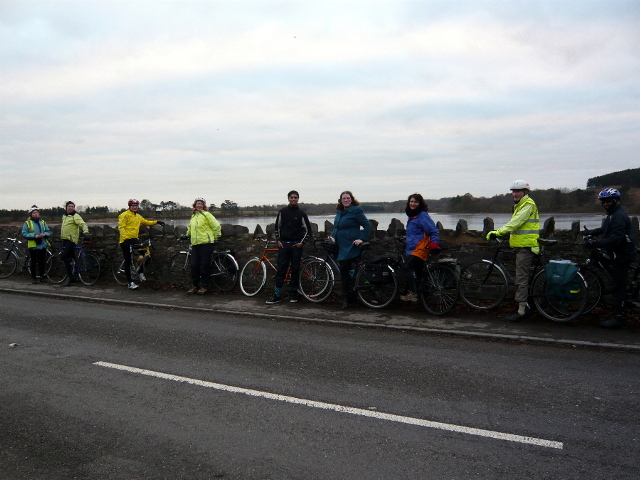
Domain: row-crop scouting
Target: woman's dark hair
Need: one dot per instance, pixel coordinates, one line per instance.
(422, 205)
(353, 200)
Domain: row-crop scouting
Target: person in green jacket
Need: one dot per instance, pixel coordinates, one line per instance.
(203, 231)
(72, 226)
(524, 230)
(36, 231)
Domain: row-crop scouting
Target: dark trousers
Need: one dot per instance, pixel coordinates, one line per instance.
(38, 257)
(413, 273)
(201, 264)
(346, 266)
(126, 253)
(289, 257)
(68, 252)
(620, 271)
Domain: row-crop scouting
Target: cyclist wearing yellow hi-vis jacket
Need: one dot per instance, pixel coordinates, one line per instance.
(129, 223)
(203, 231)
(36, 231)
(524, 230)
(72, 226)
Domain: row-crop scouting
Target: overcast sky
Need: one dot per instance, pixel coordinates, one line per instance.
(102, 101)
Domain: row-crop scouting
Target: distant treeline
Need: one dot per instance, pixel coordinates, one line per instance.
(629, 178)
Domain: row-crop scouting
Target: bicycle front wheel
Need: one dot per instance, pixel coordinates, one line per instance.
(224, 271)
(56, 269)
(88, 268)
(483, 285)
(8, 263)
(253, 277)
(441, 289)
(595, 288)
(557, 302)
(316, 280)
(180, 269)
(378, 294)
(118, 268)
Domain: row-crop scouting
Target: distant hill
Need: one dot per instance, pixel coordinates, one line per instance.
(627, 178)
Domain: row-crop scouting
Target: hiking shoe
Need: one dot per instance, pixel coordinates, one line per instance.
(409, 297)
(192, 290)
(132, 286)
(293, 297)
(67, 281)
(141, 277)
(615, 322)
(275, 299)
(516, 317)
(34, 280)
(202, 290)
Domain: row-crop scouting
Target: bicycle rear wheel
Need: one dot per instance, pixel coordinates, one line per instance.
(316, 280)
(8, 263)
(557, 304)
(118, 268)
(253, 277)
(180, 269)
(483, 285)
(378, 294)
(56, 269)
(88, 268)
(224, 271)
(441, 289)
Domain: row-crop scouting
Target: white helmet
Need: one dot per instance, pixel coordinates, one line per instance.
(520, 185)
(200, 199)
(33, 209)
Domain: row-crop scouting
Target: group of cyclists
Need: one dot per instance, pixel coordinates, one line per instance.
(350, 229)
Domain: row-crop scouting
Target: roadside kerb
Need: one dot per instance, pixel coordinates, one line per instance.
(352, 323)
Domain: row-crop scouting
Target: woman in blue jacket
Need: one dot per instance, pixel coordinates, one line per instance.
(348, 236)
(422, 237)
(36, 231)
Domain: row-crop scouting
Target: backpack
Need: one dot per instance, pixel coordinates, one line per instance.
(562, 279)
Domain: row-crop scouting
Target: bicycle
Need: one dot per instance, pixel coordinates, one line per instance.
(85, 265)
(596, 270)
(484, 285)
(143, 268)
(440, 287)
(12, 257)
(375, 282)
(224, 269)
(253, 276)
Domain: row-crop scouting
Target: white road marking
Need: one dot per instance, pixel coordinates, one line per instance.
(340, 408)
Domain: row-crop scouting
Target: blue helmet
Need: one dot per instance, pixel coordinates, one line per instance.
(609, 193)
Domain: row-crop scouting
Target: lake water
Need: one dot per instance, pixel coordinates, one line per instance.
(448, 221)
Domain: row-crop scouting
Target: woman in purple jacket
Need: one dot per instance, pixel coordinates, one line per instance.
(422, 237)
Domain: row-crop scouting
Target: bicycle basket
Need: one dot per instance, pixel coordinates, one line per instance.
(562, 279)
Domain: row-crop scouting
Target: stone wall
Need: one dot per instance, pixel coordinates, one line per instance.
(462, 244)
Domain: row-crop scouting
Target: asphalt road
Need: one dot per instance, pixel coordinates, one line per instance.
(96, 391)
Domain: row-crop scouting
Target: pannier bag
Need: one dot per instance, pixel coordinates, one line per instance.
(378, 273)
(562, 278)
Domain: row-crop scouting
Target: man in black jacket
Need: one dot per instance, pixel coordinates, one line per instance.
(618, 239)
(292, 231)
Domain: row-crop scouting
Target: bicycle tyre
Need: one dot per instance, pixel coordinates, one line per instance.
(180, 269)
(559, 308)
(56, 269)
(316, 280)
(152, 273)
(8, 263)
(375, 295)
(483, 285)
(253, 277)
(117, 268)
(224, 271)
(595, 288)
(441, 289)
(88, 268)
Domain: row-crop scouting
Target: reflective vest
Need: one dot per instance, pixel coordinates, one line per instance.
(31, 242)
(527, 234)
